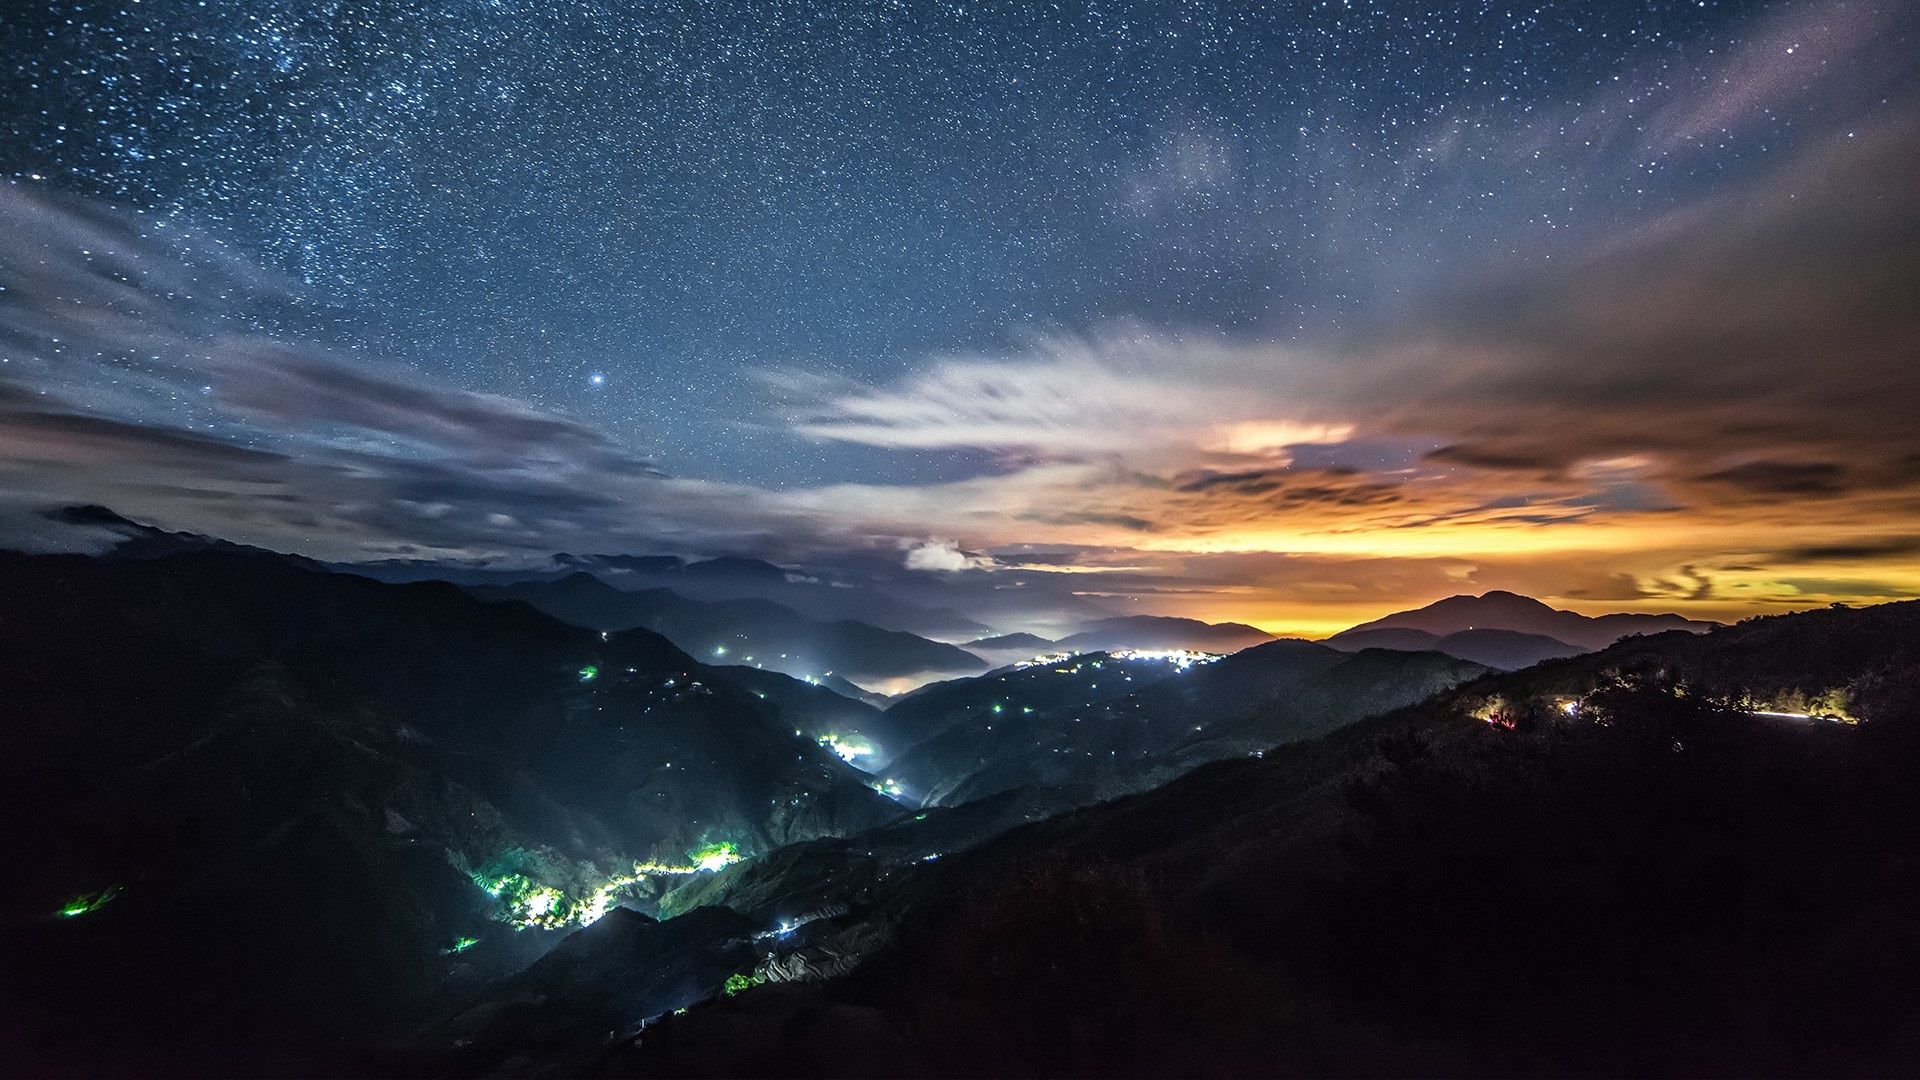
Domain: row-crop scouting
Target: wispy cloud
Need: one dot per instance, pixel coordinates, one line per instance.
(1706, 406)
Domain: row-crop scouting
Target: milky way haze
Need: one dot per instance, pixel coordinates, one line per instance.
(1290, 314)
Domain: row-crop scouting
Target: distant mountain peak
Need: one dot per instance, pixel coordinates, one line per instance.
(1499, 609)
(138, 540)
(1162, 632)
(735, 566)
(1017, 640)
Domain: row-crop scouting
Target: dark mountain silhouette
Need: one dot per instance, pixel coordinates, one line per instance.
(735, 578)
(848, 689)
(643, 564)
(735, 631)
(1160, 632)
(1503, 650)
(625, 965)
(1015, 691)
(1510, 611)
(723, 579)
(284, 788)
(129, 539)
(748, 572)
(1163, 720)
(1019, 645)
(267, 818)
(1657, 881)
(820, 712)
(1403, 638)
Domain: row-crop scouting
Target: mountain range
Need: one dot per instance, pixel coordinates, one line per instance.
(221, 750)
(1657, 880)
(751, 631)
(272, 817)
(1499, 610)
(1160, 632)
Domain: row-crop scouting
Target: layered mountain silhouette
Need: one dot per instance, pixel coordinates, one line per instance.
(1503, 650)
(1115, 725)
(735, 578)
(1499, 610)
(1667, 877)
(279, 803)
(271, 818)
(743, 631)
(1160, 632)
(724, 578)
(1020, 642)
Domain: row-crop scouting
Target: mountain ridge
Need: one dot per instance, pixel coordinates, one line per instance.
(1499, 609)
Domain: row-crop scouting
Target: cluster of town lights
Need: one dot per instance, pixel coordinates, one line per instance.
(525, 902)
(1181, 659)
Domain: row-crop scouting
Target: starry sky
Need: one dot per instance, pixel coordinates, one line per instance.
(1288, 313)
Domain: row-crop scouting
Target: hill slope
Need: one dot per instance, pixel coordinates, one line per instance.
(1168, 718)
(245, 761)
(1659, 882)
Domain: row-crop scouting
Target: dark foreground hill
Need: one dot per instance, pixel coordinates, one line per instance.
(257, 811)
(1645, 860)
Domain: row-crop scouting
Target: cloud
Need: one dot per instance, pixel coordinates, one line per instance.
(1612, 413)
(1790, 479)
(1640, 404)
(1779, 62)
(1862, 551)
(945, 555)
(195, 418)
(1124, 392)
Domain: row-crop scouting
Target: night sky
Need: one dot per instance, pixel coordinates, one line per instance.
(1291, 314)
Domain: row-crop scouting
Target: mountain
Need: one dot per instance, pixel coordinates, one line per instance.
(277, 804)
(721, 579)
(1500, 610)
(1662, 879)
(753, 631)
(1404, 639)
(623, 966)
(847, 689)
(820, 596)
(1030, 643)
(1015, 691)
(863, 734)
(1010, 648)
(1164, 719)
(1160, 632)
(129, 539)
(1502, 650)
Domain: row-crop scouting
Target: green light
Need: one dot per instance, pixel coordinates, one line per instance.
(716, 856)
(589, 673)
(519, 880)
(737, 982)
(81, 905)
(847, 747)
(460, 944)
